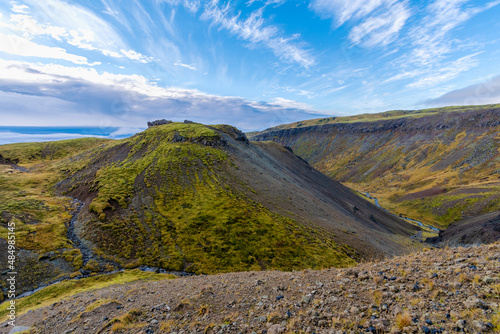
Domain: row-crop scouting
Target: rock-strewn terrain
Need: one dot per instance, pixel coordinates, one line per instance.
(435, 291)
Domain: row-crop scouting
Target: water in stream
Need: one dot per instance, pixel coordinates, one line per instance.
(430, 227)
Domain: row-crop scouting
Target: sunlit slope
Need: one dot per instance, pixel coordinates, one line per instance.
(437, 167)
(35, 213)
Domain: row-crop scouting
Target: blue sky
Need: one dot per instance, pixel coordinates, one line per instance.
(250, 63)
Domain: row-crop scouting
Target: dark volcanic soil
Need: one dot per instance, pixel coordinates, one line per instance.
(476, 230)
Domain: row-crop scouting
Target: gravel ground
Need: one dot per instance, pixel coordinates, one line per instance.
(435, 291)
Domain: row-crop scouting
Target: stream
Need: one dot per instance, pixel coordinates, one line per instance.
(88, 254)
(430, 227)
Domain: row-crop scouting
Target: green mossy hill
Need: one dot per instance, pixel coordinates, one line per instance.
(166, 197)
(436, 165)
(29, 153)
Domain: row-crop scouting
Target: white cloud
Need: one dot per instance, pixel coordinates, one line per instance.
(131, 54)
(192, 5)
(191, 67)
(21, 9)
(446, 73)
(290, 104)
(380, 21)
(344, 10)
(77, 26)
(430, 59)
(83, 96)
(257, 32)
(275, 3)
(20, 46)
(382, 29)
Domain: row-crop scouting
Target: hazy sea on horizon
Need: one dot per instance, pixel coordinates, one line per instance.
(23, 134)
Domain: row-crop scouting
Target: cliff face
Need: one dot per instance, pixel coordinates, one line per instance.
(439, 167)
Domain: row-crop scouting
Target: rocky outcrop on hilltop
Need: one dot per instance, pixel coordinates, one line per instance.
(435, 291)
(159, 122)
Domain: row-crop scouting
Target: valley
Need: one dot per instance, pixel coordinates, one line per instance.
(205, 227)
(437, 166)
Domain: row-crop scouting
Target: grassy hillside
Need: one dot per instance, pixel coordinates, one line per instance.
(437, 166)
(28, 199)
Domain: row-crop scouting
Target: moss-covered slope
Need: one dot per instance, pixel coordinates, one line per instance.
(185, 197)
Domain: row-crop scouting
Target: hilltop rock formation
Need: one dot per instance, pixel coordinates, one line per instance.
(158, 122)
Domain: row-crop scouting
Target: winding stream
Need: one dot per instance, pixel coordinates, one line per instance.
(430, 227)
(88, 254)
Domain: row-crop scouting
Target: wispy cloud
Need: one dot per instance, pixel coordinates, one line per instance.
(190, 67)
(430, 39)
(447, 72)
(72, 24)
(257, 32)
(380, 30)
(430, 59)
(377, 22)
(20, 46)
(344, 10)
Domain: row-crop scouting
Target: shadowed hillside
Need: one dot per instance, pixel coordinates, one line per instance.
(438, 165)
(184, 197)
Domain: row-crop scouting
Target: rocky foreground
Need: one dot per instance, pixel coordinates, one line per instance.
(435, 291)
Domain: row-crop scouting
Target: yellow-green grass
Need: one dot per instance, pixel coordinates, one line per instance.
(27, 154)
(69, 288)
(438, 210)
(39, 215)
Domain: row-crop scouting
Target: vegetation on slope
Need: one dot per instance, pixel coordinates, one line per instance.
(164, 197)
(168, 200)
(28, 200)
(437, 166)
(387, 115)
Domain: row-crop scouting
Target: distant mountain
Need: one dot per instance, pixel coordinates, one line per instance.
(182, 197)
(435, 165)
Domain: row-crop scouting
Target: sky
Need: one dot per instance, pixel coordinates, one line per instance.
(116, 64)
